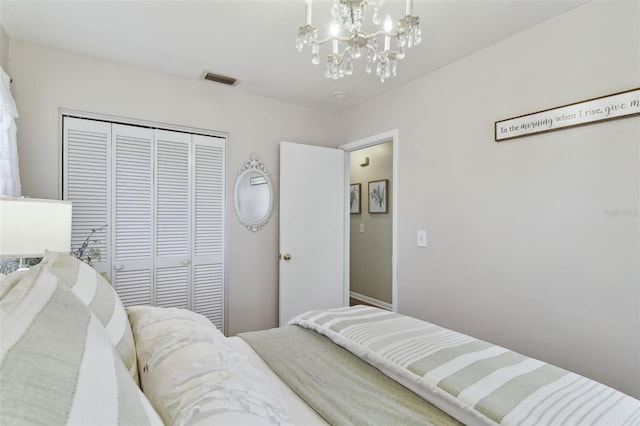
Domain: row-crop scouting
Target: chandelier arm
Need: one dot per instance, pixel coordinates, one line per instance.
(360, 34)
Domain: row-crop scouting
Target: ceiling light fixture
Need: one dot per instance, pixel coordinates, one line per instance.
(348, 39)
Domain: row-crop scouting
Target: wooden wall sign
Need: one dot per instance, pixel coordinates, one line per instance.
(609, 107)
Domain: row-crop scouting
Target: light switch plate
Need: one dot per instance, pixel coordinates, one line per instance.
(362, 227)
(421, 238)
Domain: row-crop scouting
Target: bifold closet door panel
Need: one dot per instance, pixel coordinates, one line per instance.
(86, 182)
(208, 230)
(132, 209)
(173, 219)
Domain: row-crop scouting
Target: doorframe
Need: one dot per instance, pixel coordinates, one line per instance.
(388, 136)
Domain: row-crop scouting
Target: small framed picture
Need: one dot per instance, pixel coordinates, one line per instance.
(378, 196)
(355, 203)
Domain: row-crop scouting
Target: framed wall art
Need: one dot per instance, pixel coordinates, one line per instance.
(355, 198)
(378, 196)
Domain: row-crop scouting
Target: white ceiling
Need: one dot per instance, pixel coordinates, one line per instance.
(254, 41)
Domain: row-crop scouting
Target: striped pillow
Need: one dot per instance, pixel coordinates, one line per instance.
(8, 281)
(96, 292)
(57, 363)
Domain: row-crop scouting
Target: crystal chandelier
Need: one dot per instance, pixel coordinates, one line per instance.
(348, 40)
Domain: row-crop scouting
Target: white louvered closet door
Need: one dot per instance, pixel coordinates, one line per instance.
(132, 209)
(173, 219)
(162, 194)
(208, 230)
(87, 184)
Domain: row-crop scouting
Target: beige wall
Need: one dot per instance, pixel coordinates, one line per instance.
(370, 253)
(46, 80)
(4, 49)
(524, 249)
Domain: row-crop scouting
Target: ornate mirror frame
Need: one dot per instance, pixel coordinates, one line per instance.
(254, 167)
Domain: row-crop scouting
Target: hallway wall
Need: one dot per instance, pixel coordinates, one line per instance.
(370, 264)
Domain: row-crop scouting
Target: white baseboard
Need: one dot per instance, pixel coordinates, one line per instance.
(370, 300)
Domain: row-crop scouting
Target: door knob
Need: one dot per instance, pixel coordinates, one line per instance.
(185, 262)
(286, 257)
(118, 266)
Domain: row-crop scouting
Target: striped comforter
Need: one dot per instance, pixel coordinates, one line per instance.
(472, 380)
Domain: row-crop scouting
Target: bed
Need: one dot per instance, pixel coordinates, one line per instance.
(463, 378)
(72, 354)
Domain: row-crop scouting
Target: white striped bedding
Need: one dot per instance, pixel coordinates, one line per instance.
(472, 380)
(57, 363)
(97, 294)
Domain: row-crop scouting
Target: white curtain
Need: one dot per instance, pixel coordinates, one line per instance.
(9, 172)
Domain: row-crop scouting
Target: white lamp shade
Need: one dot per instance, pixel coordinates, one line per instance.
(29, 226)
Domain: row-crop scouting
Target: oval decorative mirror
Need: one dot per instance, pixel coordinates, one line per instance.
(253, 194)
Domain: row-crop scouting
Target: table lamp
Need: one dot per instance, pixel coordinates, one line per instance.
(29, 226)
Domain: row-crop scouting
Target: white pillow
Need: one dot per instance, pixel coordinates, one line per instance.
(191, 375)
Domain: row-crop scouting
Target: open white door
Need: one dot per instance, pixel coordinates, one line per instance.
(312, 226)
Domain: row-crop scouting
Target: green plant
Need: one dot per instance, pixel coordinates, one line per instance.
(84, 252)
(8, 265)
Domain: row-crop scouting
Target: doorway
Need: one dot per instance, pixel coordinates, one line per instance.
(370, 229)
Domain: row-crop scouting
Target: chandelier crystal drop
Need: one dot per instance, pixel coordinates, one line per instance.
(350, 42)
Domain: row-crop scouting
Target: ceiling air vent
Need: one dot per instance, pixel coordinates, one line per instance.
(220, 78)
